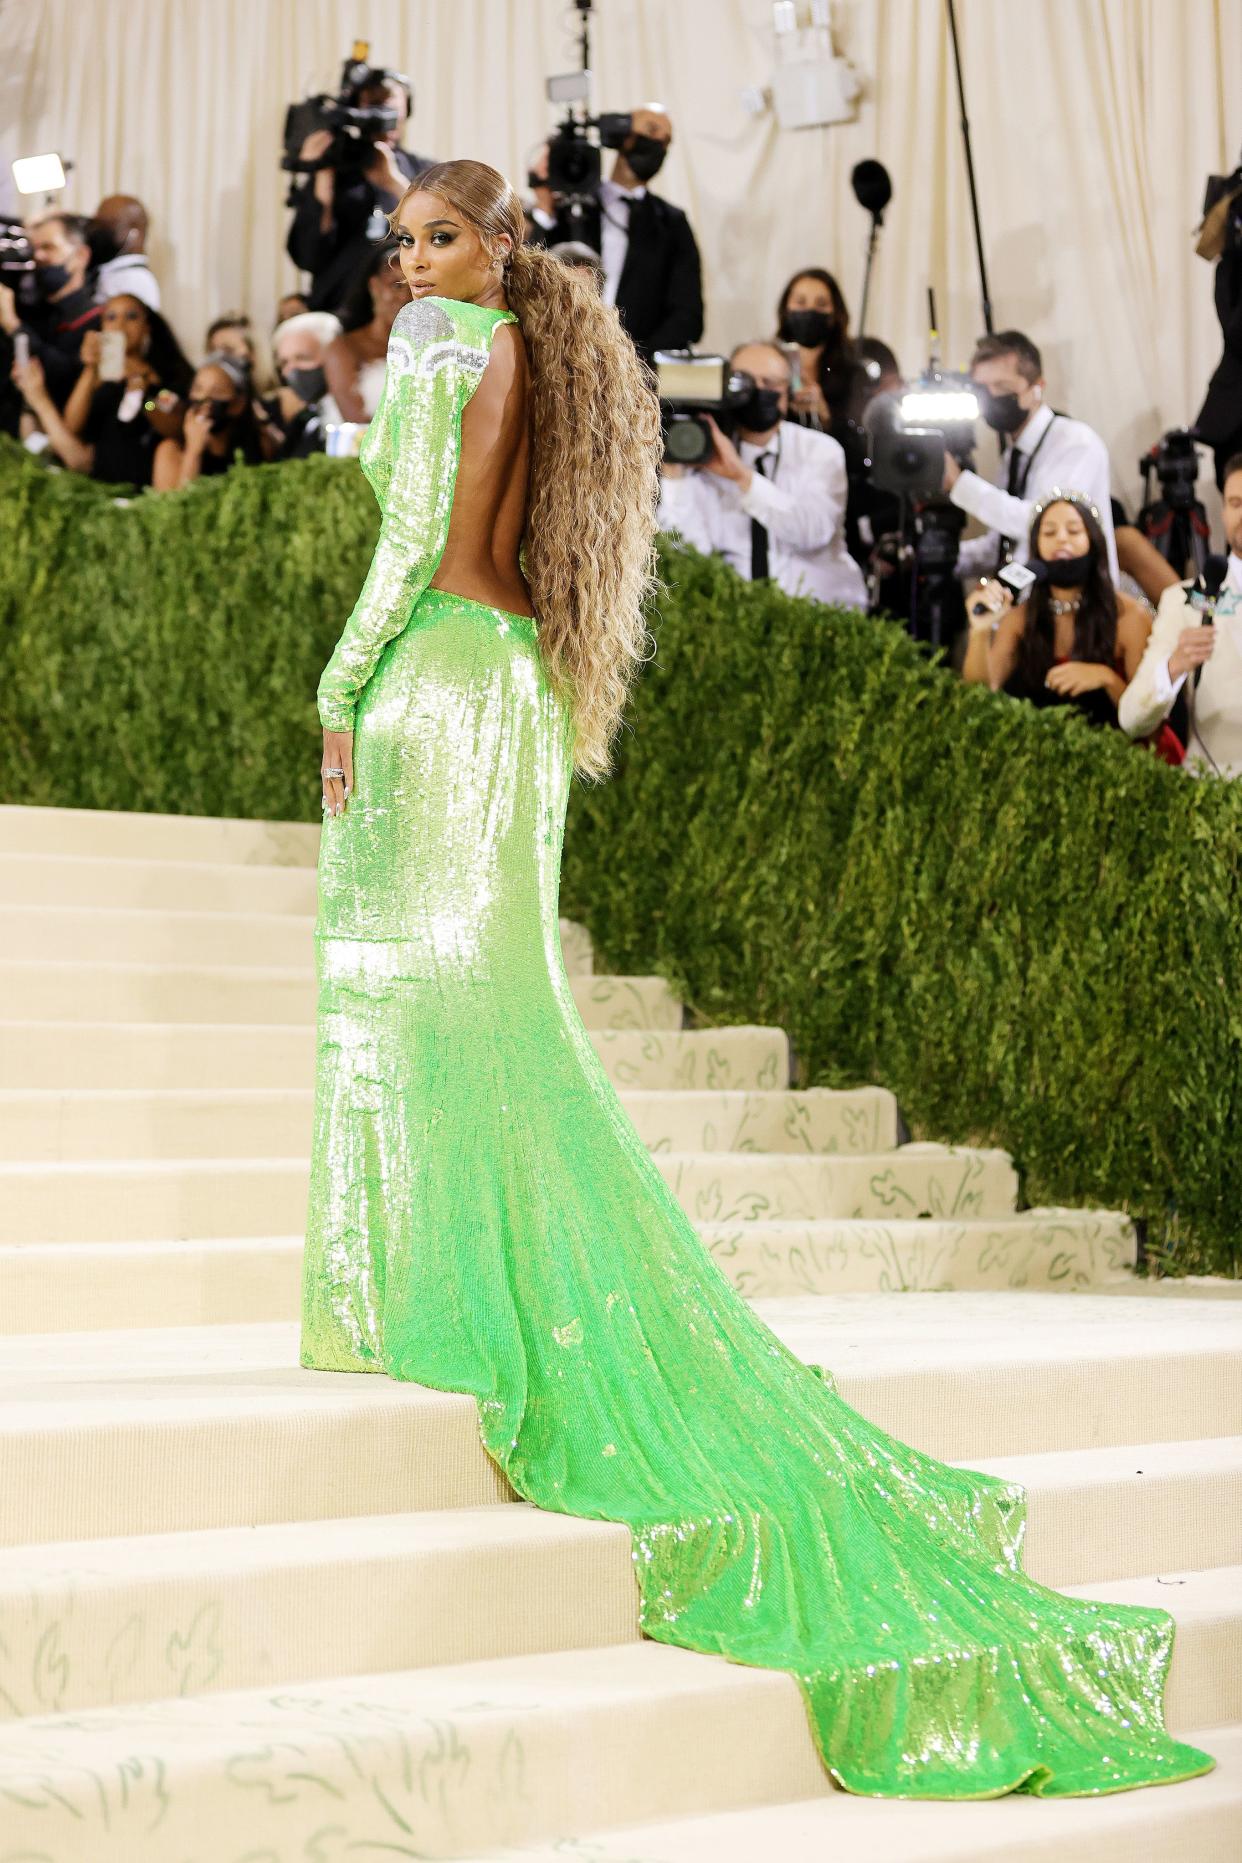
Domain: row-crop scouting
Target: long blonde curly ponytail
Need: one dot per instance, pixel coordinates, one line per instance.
(588, 552)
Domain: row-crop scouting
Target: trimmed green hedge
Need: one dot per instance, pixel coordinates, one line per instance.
(1030, 931)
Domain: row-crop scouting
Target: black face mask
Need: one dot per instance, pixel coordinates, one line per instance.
(809, 329)
(50, 278)
(645, 156)
(1003, 413)
(1070, 572)
(760, 410)
(309, 385)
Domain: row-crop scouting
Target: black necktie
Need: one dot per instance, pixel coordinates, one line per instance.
(1019, 465)
(758, 537)
(1016, 461)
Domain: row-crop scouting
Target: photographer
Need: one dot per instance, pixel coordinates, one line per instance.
(1184, 645)
(1219, 423)
(771, 499)
(1043, 449)
(338, 214)
(650, 258)
(66, 307)
(297, 414)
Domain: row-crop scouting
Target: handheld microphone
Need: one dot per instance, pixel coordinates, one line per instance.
(1211, 582)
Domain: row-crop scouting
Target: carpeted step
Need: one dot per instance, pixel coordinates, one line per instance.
(123, 835)
(1196, 1821)
(53, 1123)
(125, 935)
(913, 1181)
(72, 992)
(138, 1054)
(88, 1623)
(126, 1619)
(136, 1200)
(167, 1429)
(1066, 1249)
(442, 1762)
(161, 885)
(86, 1286)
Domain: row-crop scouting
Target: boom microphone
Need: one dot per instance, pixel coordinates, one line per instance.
(872, 187)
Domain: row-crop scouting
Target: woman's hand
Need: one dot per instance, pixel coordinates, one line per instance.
(197, 430)
(1194, 646)
(88, 355)
(809, 399)
(31, 383)
(1079, 676)
(987, 602)
(337, 771)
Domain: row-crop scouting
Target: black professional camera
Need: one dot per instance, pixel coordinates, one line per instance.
(1175, 463)
(355, 128)
(575, 161)
(910, 432)
(690, 387)
(17, 266)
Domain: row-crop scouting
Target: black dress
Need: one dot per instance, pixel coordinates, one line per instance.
(124, 449)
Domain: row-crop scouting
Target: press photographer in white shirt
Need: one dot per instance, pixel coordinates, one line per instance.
(1042, 449)
(771, 500)
(1184, 646)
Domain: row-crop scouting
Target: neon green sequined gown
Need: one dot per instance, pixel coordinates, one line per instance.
(484, 1218)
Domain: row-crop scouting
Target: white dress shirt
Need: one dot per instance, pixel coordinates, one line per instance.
(1064, 454)
(800, 502)
(614, 231)
(1216, 735)
(130, 273)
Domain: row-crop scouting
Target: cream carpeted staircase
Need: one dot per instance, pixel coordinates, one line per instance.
(252, 1614)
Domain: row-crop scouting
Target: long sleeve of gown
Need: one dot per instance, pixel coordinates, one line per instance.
(410, 455)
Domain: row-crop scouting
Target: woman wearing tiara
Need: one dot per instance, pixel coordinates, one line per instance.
(484, 1217)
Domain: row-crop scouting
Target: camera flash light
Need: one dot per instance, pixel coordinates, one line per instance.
(939, 405)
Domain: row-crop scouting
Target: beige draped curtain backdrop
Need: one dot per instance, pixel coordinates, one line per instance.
(1094, 121)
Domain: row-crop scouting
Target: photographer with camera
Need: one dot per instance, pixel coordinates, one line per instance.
(65, 307)
(1042, 449)
(1185, 647)
(650, 257)
(770, 497)
(1219, 424)
(359, 171)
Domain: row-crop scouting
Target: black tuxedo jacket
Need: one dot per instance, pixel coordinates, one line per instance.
(660, 292)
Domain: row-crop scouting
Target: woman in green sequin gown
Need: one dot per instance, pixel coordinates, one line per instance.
(484, 1217)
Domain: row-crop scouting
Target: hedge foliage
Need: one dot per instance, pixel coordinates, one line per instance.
(1029, 930)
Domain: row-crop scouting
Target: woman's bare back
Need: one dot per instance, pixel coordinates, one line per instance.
(480, 557)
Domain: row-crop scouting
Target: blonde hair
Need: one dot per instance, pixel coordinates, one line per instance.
(588, 552)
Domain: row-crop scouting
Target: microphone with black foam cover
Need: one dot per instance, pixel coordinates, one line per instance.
(873, 187)
(1211, 582)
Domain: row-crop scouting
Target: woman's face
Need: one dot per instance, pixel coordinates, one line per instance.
(234, 341)
(211, 386)
(810, 294)
(1062, 533)
(129, 316)
(442, 255)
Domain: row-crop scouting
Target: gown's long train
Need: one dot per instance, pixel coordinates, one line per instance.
(484, 1218)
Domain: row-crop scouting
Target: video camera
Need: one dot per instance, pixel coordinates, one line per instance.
(17, 266)
(575, 152)
(691, 387)
(910, 432)
(355, 127)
